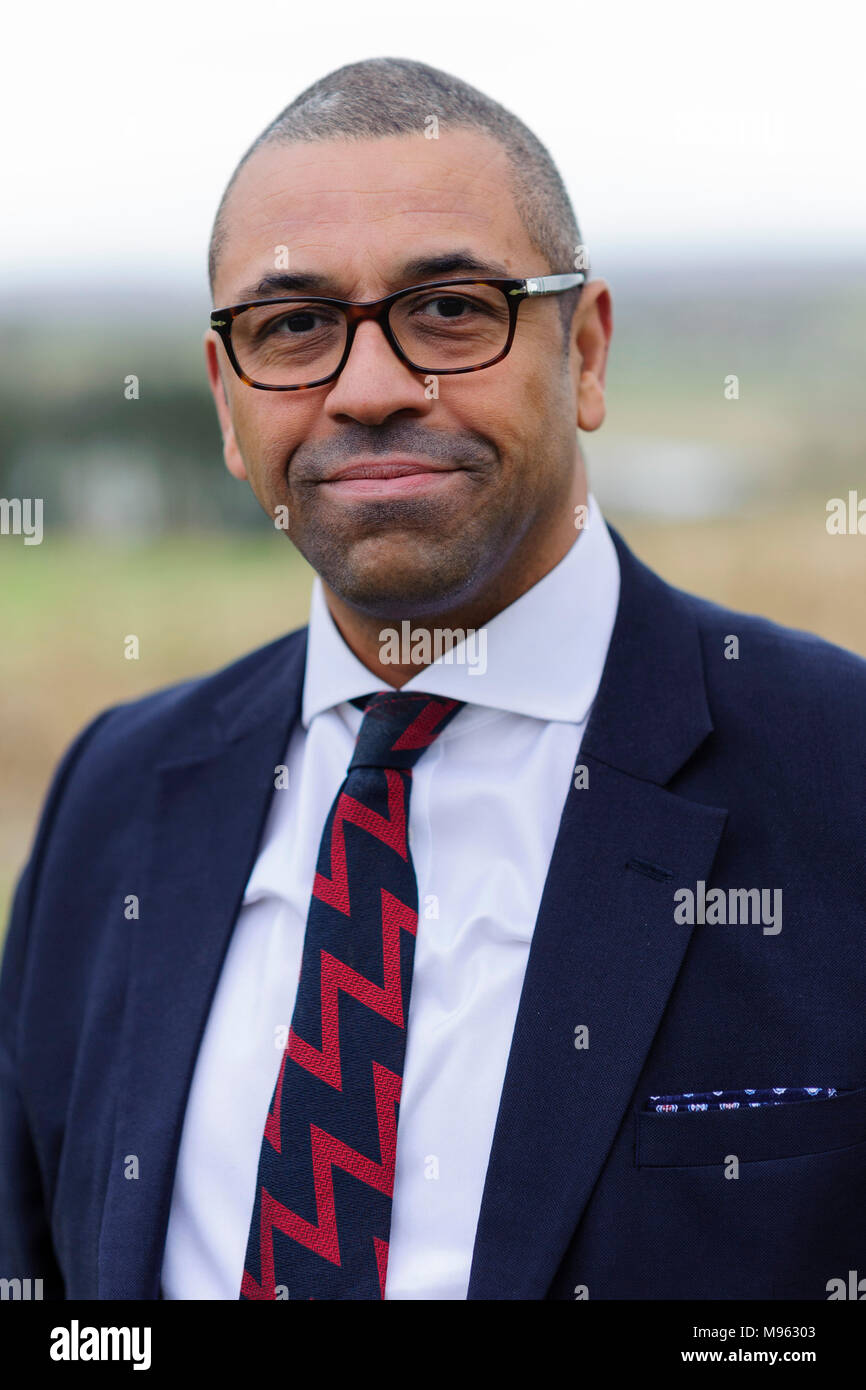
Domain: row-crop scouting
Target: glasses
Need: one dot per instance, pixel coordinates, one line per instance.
(440, 328)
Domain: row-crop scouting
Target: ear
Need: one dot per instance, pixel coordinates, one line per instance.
(231, 453)
(591, 330)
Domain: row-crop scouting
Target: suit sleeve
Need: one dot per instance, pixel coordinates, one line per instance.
(26, 1250)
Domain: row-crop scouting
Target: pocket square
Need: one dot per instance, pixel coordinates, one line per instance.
(737, 1100)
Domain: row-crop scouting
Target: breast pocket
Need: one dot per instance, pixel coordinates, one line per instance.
(702, 1138)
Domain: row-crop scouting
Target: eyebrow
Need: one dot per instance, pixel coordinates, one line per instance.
(412, 272)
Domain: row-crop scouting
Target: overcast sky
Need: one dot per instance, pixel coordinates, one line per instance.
(680, 128)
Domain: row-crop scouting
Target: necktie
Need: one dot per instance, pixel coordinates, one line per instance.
(322, 1214)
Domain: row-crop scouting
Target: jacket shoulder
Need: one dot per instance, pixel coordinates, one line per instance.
(104, 765)
(789, 683)
(101, 774)
(171, 720)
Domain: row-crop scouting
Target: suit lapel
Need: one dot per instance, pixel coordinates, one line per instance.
(606, 950)
(205, 821)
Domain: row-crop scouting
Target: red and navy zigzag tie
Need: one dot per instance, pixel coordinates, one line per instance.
(322, 1214)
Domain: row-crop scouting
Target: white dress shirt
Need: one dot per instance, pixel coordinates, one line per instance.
(484, 811)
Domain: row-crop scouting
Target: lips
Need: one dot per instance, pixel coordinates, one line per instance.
(381, 479)
(386, 468)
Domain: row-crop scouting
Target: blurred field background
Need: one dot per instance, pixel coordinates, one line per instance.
(146, 533)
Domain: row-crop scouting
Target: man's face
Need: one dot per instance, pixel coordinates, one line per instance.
(503, 439)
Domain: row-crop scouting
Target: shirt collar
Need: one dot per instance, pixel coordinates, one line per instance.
(544, 653)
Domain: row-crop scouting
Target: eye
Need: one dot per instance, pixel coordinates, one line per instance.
(288, 326)
(298, 321)
(449, 306)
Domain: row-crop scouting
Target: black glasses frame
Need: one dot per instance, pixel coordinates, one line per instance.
(379, 310)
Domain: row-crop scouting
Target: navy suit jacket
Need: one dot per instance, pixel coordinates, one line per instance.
(738, 773)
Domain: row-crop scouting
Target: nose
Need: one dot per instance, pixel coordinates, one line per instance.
(374, 383)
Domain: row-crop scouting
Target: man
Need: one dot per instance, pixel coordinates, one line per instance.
(581, 903)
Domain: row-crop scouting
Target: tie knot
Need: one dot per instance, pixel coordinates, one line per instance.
(397, 727)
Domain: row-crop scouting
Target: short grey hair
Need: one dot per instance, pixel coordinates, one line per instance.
(397, 96)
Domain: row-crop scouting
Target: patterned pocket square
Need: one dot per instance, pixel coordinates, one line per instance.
(737, 1100)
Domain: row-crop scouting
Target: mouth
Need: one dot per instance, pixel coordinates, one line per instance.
(391, 477)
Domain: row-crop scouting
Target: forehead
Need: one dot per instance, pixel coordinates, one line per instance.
(364, 207)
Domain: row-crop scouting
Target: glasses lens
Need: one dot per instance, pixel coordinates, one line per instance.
(289, 344)
(446, 328)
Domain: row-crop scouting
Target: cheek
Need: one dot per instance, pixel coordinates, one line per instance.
(520, 407)
(267, 431)
(545, 403)
(542, 378)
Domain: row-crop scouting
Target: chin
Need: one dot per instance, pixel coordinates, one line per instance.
(395, 592)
